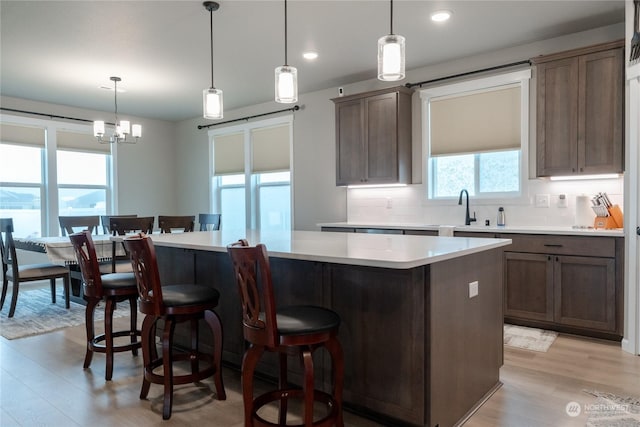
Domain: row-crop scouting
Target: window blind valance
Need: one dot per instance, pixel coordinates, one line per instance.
(476, 122)
(228, 154)
(23, 135)
(270, 149)
(80, 142)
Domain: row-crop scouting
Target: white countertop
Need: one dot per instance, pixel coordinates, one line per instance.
(388, 251)
(520, 229)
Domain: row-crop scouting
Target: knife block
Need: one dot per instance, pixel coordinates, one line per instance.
(614, 220)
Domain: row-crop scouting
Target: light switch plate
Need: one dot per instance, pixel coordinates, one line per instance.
(473, 289)
(542, 200)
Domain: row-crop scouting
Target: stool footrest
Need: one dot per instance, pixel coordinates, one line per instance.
(189, 378)
(98, 345)
(295, 393)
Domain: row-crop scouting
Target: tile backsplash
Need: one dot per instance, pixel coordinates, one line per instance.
(399, 205)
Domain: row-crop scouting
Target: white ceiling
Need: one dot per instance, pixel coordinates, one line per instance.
(62, 51)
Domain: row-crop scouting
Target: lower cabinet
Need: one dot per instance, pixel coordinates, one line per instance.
(572, 291)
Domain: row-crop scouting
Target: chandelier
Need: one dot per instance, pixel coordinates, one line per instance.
(124, 131)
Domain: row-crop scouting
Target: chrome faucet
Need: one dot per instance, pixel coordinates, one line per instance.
(467, 219)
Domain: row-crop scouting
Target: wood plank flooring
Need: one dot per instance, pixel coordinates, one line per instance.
(42, 383)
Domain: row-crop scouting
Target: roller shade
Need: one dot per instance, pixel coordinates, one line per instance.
(22, 135)
(484, 121)
(270, 148)
(228, 154)
(81, 142)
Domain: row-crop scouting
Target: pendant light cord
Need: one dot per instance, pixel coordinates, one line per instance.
(285, 33)
(211, 33)
(391, 18)
(115, 98)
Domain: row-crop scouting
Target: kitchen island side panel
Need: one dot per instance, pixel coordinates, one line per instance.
(383, 337)
(466, 335)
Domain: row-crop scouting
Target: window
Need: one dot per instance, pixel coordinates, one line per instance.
(476, 136)
(68, 175)
(251, 175)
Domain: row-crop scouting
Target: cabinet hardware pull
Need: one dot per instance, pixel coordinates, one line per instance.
(551, 245)
(549, 258)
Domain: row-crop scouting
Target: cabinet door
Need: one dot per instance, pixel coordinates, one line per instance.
(528, 286)
(600, 111)
(557, 117)
(585, 292)
(382, 138)
(350, 142)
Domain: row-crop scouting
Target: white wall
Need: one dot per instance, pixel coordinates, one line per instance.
(146, 171)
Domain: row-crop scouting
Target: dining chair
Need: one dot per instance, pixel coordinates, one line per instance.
(288, 330)
(168, 223)
(17, 274)
(105, 220)
(70, 224)
(120, 226)
(209, 221)
(111, 289)
(173, 304)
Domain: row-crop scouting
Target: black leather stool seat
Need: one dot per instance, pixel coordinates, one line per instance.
(179, 295)
(305, 319)
(119, 281)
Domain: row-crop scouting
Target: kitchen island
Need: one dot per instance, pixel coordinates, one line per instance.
(420, 348)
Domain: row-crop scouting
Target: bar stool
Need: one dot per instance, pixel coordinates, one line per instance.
(173, 304)
(285, 330)
(112, 288)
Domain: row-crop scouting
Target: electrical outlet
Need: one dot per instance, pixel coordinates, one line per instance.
(389, 203)
(473, 289)
(542, 200)
(562, 201)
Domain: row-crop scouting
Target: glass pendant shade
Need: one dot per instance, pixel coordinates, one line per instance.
(212, 103)
(136, 131)
(286, 84)
(391, 57)
(125, 127)
(98, 128)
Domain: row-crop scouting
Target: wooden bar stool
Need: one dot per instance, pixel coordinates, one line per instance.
(111, 288)
(286, 330)
(173, 304)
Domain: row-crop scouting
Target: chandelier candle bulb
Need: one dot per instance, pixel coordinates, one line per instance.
(98, 128)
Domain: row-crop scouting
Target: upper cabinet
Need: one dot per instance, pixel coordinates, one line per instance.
(580, 110)
(373, 137)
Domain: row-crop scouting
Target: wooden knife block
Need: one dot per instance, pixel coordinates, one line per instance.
(614, 220)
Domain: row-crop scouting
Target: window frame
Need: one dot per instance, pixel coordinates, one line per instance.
(49, 206)
(520, 77)
(252, 201)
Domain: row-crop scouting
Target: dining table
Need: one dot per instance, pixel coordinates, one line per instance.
(59, 250)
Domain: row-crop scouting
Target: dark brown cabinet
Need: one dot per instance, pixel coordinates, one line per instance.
(580, 109)
(571, 284)
(373, 137)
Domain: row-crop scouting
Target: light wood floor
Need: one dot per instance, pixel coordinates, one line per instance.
(42, 383)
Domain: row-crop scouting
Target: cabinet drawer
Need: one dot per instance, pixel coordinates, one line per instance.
(564, 245)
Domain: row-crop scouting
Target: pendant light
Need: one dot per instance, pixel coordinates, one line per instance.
(286, 76)
(391, 55)
(122, 129)
(212, 97)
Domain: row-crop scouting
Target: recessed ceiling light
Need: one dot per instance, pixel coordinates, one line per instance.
(441, 15)
(310, 55)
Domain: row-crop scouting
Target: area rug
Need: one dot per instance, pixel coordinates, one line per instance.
(528, 338)
(36, 315)
(612, 410)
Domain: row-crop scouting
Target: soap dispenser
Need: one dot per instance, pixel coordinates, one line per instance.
(501, 219)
